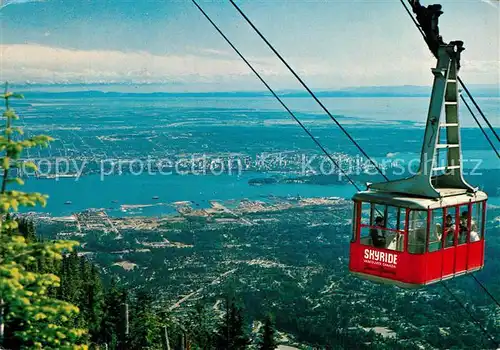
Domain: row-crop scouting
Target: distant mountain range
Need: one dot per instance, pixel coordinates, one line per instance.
(369, 91)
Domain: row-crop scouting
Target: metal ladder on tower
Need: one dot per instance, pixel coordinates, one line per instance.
(433, 179)
(450, 174)
(450, 125)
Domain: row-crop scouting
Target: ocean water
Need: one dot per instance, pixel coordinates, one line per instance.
(110, 194)
(98, 129)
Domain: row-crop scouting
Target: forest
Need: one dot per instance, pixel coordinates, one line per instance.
(314, 307)
(116, 318)
(294, 268)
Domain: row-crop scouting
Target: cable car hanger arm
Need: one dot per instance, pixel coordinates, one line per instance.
(427, 23)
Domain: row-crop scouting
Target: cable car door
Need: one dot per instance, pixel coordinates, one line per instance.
(462, 249)
(434, 256)
(475, 257)
(449, 242)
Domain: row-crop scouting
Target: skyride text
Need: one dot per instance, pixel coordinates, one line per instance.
(380, 258)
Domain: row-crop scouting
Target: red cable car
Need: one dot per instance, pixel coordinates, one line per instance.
(429, 227)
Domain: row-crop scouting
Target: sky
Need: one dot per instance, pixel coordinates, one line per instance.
(170, 45)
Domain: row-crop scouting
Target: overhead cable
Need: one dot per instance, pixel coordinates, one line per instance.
(480, 126)
(460, 81)
(490, 337)
(308, 89)
(276, 96)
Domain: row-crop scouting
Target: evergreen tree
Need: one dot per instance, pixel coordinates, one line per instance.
(24, 293)
(200, 326)
(232, 333)
(94, 303)
(268, 342)
(13, 325)
(146, 328)
(112, 330)
(83, 268)
(27, 229)
(73, 277)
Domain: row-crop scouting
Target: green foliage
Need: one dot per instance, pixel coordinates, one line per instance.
(24, 294)
(232, 333)
(26, 228)
(92, 304)
(146, 328)
(200, 324)
(81, 285)
(268, 342)
(112, 330)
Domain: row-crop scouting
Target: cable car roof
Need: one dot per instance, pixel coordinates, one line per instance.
(418, 203)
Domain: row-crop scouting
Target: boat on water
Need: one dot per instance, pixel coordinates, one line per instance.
(156, 197)
(68, 202)
(55, 176)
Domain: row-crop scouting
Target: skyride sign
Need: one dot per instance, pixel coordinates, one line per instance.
(375, 257)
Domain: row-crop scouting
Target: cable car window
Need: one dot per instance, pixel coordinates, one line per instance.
(354, 222)
(484, 208)
(393, 223)
(436, 230)
(402, 219)
(417, 231)
(450, 227)
(391, 220)
(366, 214)
(364, 233)
(382, 226)
(394, 240)
(366, 219)
(378, 233)
(464, 224)
(476, 222)
(372, 230)
(481, 217)
(378, 211)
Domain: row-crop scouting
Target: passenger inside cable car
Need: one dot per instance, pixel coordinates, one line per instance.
(377, 234)
(449, 231)
(385, 232)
